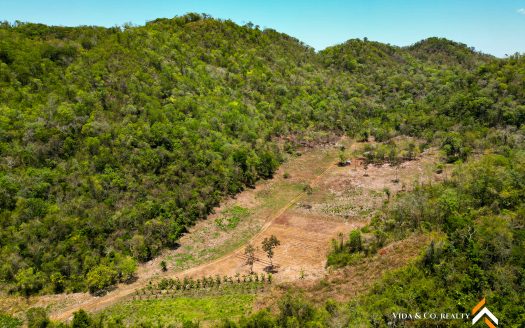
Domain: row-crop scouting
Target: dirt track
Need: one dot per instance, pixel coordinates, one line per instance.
(296, 237)
(342, 199)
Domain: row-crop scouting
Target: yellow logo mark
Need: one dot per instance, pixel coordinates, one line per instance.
(484, 312)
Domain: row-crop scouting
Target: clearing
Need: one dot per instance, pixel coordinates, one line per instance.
(309, 202)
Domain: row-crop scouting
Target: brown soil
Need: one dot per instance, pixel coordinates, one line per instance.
(343, 198)
(344, 284)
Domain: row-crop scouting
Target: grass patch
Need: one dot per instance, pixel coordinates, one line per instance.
(164, 312)
(276, 197)
(231, 217)
(339, 260)
(237, 224)
(182, 259)
(7, 321)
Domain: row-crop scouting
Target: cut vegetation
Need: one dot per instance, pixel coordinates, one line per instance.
(137, 163)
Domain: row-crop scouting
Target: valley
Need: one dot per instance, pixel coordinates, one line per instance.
(342, 198)
(140, 163)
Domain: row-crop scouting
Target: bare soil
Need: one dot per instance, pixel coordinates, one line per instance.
(340, 200)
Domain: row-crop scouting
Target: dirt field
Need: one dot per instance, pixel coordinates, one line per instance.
(347, 283)
(303, 219)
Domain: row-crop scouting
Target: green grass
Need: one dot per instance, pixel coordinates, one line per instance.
(9, 322)
(195, 257)
(172, 311)
(181, 260)
(271, 202)
(278, 196)
(231, 217)
(243, 223)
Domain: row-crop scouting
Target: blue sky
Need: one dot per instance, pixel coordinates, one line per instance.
(496, 27)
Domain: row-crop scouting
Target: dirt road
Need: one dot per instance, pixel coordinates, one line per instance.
(338, 200)
(294, 235)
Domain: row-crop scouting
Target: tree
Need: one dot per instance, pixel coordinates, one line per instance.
(355, 243)
(58, 282)
(294, 311)
(396, 179)
(101, 277)
(163, 266)
(8, 191)
(37, 318)
(268, 245)
(392, 156)
(139, 248)
(81, 320)
(28, 281)
(126, 268)
(342, 158)
(249, 252)
(411, 151)
(157, 148)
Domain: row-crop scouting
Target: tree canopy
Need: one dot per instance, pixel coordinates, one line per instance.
(113, 141)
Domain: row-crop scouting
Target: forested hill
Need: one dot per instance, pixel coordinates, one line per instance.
(446, 52)
(114, 140)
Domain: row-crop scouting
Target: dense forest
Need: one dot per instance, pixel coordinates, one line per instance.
(113, 141)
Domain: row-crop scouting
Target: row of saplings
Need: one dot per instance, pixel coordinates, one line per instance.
(189, 283)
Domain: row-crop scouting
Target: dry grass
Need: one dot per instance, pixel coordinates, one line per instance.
(347, 283)
(341, 199)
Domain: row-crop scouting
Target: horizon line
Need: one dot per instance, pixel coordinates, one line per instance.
(262, 29)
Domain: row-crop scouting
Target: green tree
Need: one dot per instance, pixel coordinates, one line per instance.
(342, 157)
(355, 242)
(295, 312)
(28, 281)
(101, 277)
(139, 247)
(81, 320)
(249, 253)
(268, 245)
(126, 268)
(58, 281)
(37, 318)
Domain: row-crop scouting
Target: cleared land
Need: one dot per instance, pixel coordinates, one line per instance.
(206, 309)
(303, 218)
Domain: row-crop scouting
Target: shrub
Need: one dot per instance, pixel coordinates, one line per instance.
(101, 277)
(37, 318)
(81, 320)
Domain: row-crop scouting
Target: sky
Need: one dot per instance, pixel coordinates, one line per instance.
(496, 27)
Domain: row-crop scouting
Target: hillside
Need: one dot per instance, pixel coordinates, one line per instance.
(446, 52)
(114, 142)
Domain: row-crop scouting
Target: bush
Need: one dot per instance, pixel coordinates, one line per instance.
(294, 308)
(190, 324)
(339, 260)
(261, 319)
(7, 321)
(28, 281)
(355, 243)
(81, 320)
(37, 318)
(100, 278)
(126, 267)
